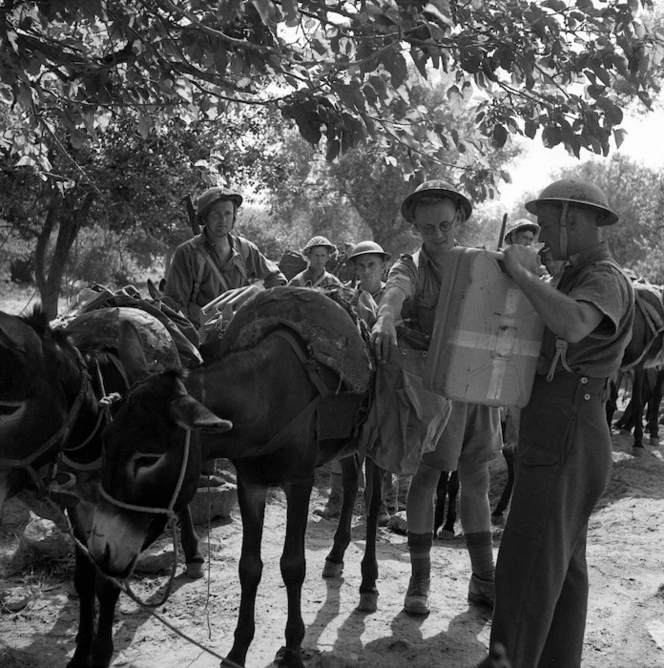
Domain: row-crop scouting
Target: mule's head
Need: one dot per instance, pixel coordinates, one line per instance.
(151, 466)
(40, 380)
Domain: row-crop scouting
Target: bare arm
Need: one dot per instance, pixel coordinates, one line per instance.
(384, 333)
(567, 318)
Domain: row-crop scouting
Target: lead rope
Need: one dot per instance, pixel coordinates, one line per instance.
(122, 586)
(172, 520)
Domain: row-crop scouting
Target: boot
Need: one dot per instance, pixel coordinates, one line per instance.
(417, 596)
(481, 591)
(332, 508)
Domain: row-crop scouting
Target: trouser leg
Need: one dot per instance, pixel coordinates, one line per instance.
(564, 644)
(563, 465)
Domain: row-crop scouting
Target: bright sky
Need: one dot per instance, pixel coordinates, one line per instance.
(644, 142)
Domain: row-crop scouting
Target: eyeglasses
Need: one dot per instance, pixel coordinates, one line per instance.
(445, 226)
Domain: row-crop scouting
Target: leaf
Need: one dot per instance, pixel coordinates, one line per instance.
(619, 136)
(396, 65)
(499, 136)
(551, 136)
(290, 6)
(267, 10)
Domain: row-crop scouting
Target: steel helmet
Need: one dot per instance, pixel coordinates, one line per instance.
(212, 195)
(318, 241)
(521, 224)
(435, 187)
(368, 248)
(577, 192)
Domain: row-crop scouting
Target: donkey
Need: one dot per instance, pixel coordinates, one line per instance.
(256, 406)
(51, 417)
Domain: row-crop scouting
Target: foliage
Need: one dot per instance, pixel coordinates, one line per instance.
(563, 69)
(636, 193)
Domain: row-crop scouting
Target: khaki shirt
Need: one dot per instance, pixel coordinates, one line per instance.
(246, 264)
(592, 276)
(305, 279)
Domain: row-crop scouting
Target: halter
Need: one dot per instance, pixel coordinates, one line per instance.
(169, 512)
(60, 435)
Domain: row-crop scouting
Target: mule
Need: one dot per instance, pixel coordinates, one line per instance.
(51, 418)
(256, 406)
(645, 351)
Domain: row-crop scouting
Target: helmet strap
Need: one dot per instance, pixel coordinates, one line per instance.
(563, 231)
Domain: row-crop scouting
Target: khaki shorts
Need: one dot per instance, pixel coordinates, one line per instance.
(472, 435)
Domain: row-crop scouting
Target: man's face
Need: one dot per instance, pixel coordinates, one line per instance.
(318, 256)
(548, 217)
(524, 238)
(369, 271)
(437, 223)
(220, 218)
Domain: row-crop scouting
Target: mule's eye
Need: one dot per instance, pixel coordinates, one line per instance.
(143, 460)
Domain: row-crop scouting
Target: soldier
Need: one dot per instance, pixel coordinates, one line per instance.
(317, 251)
(472, 435)
(216, 260)
(522, 232)
(563, 459)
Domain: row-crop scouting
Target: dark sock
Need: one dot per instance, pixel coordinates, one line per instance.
(419, 546)
(480, 550)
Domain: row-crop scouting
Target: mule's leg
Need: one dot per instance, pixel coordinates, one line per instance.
(251, 500)
(369, 568)
(189, 539)
(293, 569)
(611, 402)
(84, 583)
(637, 410)
(509, 452)
(334, 562)
(452, 494)
(653, 406)
(441, 497)
(102, 649)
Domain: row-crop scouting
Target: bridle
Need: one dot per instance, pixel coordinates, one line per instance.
(154, 510)
(59, 438)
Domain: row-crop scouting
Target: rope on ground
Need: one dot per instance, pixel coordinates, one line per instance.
(149, 607)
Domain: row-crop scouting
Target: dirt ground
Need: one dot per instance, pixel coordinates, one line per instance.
(625, 619)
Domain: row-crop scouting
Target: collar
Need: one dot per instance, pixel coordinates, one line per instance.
(203, 238)
(589, 256)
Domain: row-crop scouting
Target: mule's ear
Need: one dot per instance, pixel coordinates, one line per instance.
(155, 292)
(191, 414)
(131, 353)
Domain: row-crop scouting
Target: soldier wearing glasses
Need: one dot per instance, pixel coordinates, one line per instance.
(471, 437)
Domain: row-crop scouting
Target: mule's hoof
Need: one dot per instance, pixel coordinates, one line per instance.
(288, 658)
(638, 451)
(332, 569)
(195, 570)
(654, 440)
(368, 602)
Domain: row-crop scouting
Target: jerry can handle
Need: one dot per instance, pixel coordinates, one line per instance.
(499, 258)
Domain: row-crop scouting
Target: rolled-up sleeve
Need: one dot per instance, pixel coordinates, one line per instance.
(264, 269)
(403, 275)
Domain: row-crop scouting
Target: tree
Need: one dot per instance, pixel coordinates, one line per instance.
(560, 68)
(74, 70)
(636, 193)
(129, 184)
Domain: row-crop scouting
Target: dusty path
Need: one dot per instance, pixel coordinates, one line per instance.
(625, 620)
